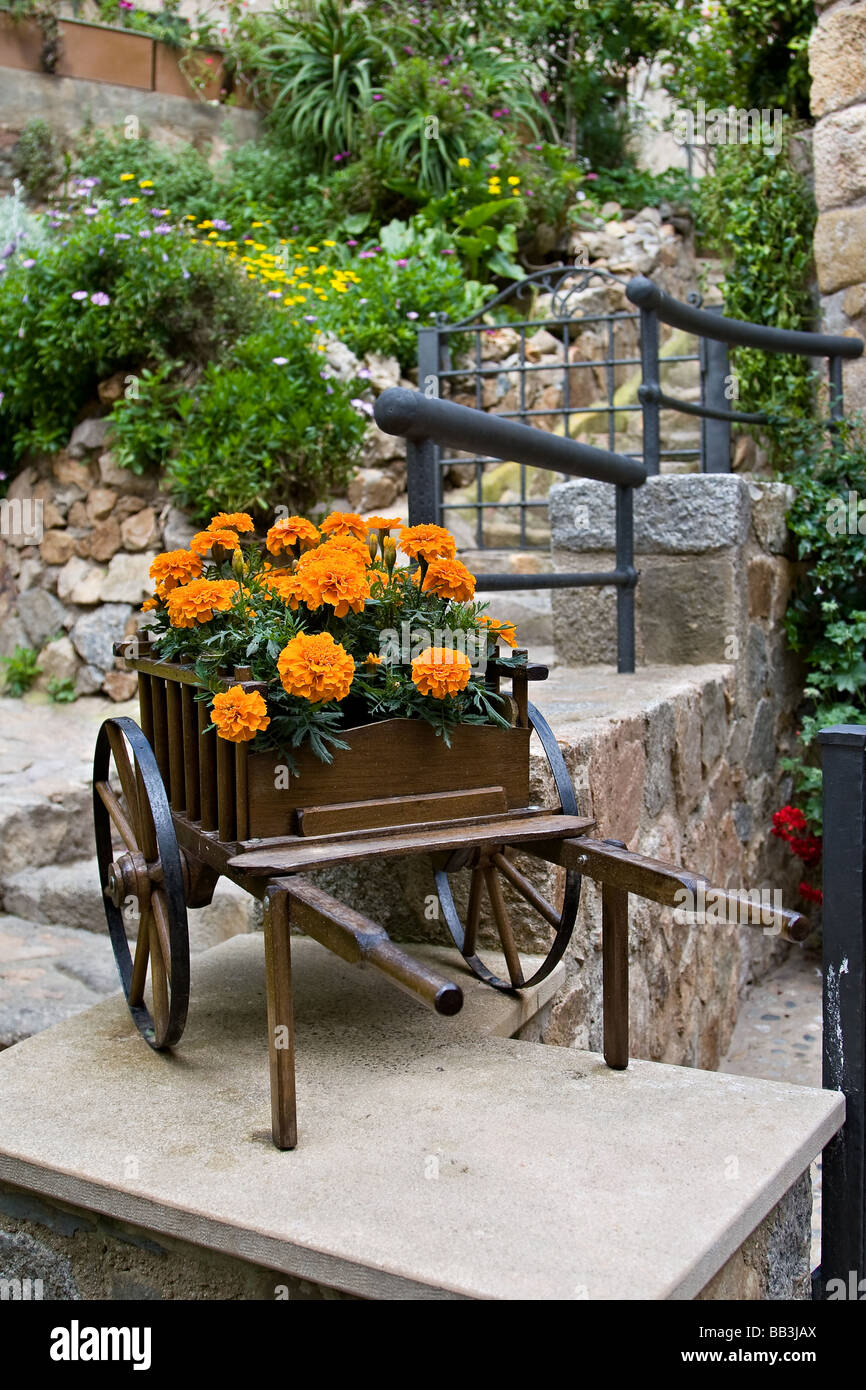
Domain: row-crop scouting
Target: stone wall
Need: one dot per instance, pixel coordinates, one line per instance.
(837, 59)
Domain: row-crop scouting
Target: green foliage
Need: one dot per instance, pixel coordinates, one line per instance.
(262, 428)
(320, 67)
(62, 692)
(759, 214)
(36, 158)
(634, 189)
(61, 336)
(414, 273)
(22, 669)
(826, 618)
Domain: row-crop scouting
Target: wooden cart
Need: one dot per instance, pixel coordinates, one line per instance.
(176, 807)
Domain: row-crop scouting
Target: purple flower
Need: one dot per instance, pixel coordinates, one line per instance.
(121, 236)
(165, 255)
(366, 255)
(350, 242)
(377, 96)
(221, 226)
(162, 229)
(411, 314)
(309, 318)
(158, 212)
(592, 176)
(443, 81)
(91, 212)
(364, 373)
(280, 361)
(329, 390)
(410, 51)
(186, 275)
(275, 294)
(448, 251)
(100, 299)
(402, 263)
(28, 263)
(364, 406)
(363, 301)
(145, 232)
(79, 294)
(125, 202)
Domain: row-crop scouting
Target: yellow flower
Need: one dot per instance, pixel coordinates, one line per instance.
(316, 668)
(464, 162)
(441, 671)
(145, 183)
(514, 180)
(239, 714)
(124, 178)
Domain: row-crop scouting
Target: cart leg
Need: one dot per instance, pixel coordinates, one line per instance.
(614, 931)
(281, 1025)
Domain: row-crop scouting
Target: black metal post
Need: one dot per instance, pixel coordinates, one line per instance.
(625, 592)
(715, 434)
(843, 1222)
(837, 409)
(423, 455)
(649, 356)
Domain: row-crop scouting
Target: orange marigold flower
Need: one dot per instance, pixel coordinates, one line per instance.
(349, 545)
(284, 584)
(441, 671)
(292, 530)
(449, 579)
(149, 604)
(231, 521)
(500, 632)
(334, 576)
(203, 541)
(344, 524)
(316, 668)
(383, 523)
(197, 601)
(239, 714)
(427, 542)
(174, 567)
(373, 659)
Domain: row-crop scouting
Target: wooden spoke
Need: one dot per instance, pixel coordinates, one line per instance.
(118, 815)
(160, 919)
(503, 924)
(473, 914)
(525, 889)
(159, 984)
(139, 964)
(125, 773)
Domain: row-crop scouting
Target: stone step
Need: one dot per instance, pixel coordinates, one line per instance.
(48, 973)
(69, 895)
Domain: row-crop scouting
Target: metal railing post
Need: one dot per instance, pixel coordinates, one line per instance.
(625, 652)
(843, 1222)
(715, 434)
(650, 385)
(422, 455)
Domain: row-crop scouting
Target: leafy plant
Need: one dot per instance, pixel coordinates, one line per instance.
(826, 618)
(36, 158)
(320, 67)
(62, 692)
(22, 669)
(263, 428)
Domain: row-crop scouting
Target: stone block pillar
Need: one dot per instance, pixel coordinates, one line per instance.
(837, 59)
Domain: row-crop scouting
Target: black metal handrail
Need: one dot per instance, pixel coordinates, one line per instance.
(426, 421)
(718, 333)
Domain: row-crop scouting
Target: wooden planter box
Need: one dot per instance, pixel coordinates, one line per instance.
(100, 53)
(394, 772)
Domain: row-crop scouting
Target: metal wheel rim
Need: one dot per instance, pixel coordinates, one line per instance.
(571, 896)
(171, 884)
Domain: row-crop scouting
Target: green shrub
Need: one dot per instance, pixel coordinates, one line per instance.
(36, 159)
(62, 692)
(22, 669)
(264, 428)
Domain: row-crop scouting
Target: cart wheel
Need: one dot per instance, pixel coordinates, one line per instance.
(488, 871)
(141, 874)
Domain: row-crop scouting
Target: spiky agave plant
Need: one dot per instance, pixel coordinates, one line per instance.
(320, 68)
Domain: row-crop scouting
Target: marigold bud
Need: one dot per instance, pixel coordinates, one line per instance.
(373, 545)
(389, 553)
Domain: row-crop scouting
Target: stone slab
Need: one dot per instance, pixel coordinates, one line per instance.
(435, 1160)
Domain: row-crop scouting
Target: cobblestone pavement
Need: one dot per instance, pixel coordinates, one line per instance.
(778, 1036)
